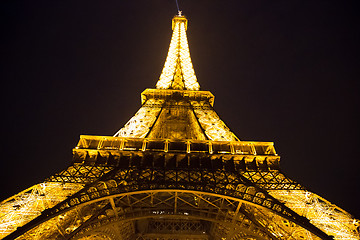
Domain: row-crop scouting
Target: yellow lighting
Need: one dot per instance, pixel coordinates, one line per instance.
(178, 71)
(189, 163)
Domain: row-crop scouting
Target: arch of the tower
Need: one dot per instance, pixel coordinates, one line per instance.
(166, 214)
(141, 203)
(142, 192)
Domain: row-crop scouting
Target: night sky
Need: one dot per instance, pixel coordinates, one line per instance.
(281, 71)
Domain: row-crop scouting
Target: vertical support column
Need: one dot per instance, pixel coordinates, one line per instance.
(233, 228)
(112, 203)
(175, 204)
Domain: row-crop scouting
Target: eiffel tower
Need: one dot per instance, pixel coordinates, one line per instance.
(174, 171)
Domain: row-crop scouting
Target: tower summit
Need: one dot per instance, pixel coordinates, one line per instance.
(176, 109)
(174, 171)
(178, 71)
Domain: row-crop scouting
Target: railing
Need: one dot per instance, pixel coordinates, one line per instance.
(167, 94)
(170, 145)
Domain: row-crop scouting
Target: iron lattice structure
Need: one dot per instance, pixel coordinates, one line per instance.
(174, 171)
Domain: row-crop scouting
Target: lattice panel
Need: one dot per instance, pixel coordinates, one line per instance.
(323, 214)
(27, 205)
(215, 128)
(176, 121)
(139, 125)
(271, 180)
(60, 226)
(80, 173)
(187, 67)
(176, 226)
(279, 227)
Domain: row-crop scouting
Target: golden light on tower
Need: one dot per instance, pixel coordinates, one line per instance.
(177, 78)
(178, 71)
(174, 169)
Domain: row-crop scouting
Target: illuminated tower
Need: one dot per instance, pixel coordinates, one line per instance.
(174, 171)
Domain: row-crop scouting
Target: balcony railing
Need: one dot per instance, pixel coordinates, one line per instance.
(170, 145)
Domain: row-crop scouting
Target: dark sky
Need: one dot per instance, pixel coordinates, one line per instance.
(282, 71)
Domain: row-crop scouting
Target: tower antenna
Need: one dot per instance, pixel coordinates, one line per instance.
(177, 5)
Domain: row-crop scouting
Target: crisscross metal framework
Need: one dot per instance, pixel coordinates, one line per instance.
(174, 171)
(149, 185)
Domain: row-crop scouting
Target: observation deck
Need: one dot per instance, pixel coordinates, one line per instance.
(170, 94)
(115, 150)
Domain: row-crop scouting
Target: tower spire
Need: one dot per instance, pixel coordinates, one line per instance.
(178, 71)
(177, 109)
(177, 5)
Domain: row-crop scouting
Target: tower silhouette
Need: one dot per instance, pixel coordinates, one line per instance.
(174, 171)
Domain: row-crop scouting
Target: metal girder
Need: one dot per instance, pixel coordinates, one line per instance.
(272, 180)
(121, 182)
(80, 173)
(105, 182)
(323, 214)
(193, 206)
(218, 182)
